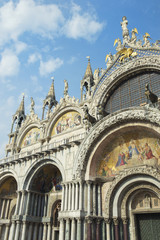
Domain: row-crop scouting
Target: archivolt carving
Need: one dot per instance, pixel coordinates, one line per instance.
(142, 186)
(140, 170)
(137, 115)
(150, 62)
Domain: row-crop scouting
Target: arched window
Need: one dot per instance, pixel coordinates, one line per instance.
(131, 92)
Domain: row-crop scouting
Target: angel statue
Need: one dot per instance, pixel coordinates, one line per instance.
(119, 44)
(32, 105)
(146, 41)
(134, 37)
(109, 59)
(65, 88)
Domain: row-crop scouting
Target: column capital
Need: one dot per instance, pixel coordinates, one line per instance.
(107, 220)
(125, 220)
(98, 220)
(89, 182)
(67, 219)
(115, 221)
(89, 219)
(79, 219)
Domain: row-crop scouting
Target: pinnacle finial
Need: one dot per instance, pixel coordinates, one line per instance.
(88, 57)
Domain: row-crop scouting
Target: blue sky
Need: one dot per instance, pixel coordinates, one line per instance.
(44, 38)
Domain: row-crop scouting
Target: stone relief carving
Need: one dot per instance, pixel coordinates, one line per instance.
(147, 170)
(139, 187)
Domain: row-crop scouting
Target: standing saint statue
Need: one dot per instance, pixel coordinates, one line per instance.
(125, 31)
(32, 105)
(65, 88)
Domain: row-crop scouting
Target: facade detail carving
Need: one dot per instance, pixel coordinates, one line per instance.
(84, 170)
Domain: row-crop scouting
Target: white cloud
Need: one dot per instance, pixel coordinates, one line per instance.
(34, 58)
(83, 25)
(36, 85)
(50, 66)
(47, 20)
(9, 64)
(20, 47)
(28, 15)
(72, 60)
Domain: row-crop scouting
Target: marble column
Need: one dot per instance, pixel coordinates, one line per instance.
(35, 231)
(98, 229)
(108, 233)
(24, 230)
(7, 207)
(81, 195)
(30, 231)
(77, 196)
(94, 199)
(67, 233)
(32, 203)
(35, 205)
(44, 231)
(89, 198)
(12, 230)
(61, 230)
(53, 234)
(28, 203)
(40, 232)
(39, 206)
(66, 197)
(49, 231)
(17, 203)
(6, 232)
(89, 229)
(0, 229)
(125, 228)
(73, 196)
(79, 229)
(17, 230)
(99, 201)
(69, 196)
(63, 197)
(116, 228)
(45, 205)
(3, 208)
(21, 203)
(73, 230)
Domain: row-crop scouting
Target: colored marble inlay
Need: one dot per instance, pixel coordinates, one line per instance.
(66, 122)
(128, 150)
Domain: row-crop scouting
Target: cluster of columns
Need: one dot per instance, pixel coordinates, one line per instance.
(31, 203)
(76, 194)
(40, 231)
(83, 199)
(4, 207)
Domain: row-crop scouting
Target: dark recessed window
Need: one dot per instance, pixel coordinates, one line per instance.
(131, 92)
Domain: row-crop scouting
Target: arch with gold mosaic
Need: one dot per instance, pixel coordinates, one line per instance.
(65, 121)
(30, 137)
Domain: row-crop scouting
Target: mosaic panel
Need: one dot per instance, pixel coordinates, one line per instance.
(67, 121)
(130, 149)
(32, 136)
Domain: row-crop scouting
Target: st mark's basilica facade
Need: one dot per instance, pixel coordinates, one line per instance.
(89, 168)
